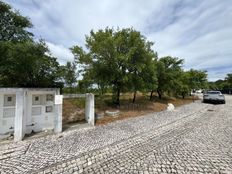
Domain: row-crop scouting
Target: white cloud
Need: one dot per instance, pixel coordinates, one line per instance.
(198, 31)
(200, 36)
(63, 54)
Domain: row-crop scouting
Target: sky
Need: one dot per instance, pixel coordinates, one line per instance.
(198, 31)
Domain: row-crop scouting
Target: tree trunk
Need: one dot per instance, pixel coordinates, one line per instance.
(118, 97)
(183, 96)
(159, 93)
(134, 96)
(151, 95)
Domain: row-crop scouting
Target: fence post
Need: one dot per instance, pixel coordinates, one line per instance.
(89, 109)
(58, 110)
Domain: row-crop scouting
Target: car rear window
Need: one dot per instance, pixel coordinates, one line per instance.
(213, 92)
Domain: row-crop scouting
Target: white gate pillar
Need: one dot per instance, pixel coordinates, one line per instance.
(19, 124)
(89, 109)
(58, 110)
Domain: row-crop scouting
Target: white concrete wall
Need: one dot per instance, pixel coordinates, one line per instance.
(38, 119)
(7, 117)
(35, 111)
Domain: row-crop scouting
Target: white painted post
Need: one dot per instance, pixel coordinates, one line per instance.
(19, 114)
(89, 109)
(86, 108)
(58, 111)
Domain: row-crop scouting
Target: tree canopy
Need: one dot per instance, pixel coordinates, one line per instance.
(13, 26)
(27, 65)
(197, 79)
(68, 74)
(122, 59)
(23, 61)
(229, 79)
(168, 70)
(225, 84)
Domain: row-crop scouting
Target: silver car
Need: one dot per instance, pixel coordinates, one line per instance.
(214, 97)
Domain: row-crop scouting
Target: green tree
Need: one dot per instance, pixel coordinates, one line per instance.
(197, 79)
(68, 74)
(27, 64)
(140, 62)
(116, 59)
(229, 79)
(182, 87)
(168, 72)
(13, 26)
(212, 86)
(220, 84)
(23, 62)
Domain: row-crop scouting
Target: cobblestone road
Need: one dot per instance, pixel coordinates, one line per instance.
(195, 138)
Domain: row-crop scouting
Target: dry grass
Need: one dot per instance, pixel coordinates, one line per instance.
(151, 106)
(73, 109)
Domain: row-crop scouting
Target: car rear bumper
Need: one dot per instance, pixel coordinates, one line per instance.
(213, 101)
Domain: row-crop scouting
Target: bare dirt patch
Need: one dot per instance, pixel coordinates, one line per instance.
(73, 111)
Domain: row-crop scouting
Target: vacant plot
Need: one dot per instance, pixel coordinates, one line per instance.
(73, 109)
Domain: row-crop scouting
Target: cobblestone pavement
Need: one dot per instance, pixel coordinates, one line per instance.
(195, 138)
